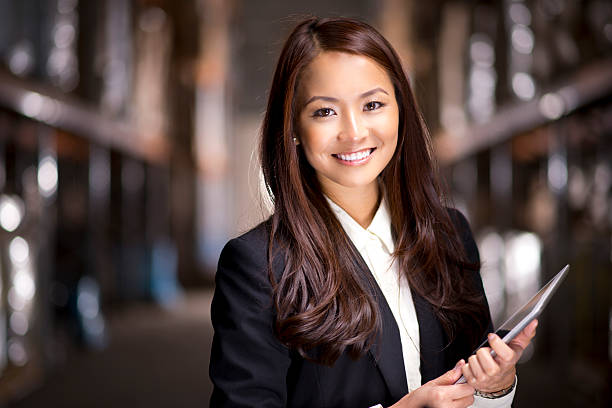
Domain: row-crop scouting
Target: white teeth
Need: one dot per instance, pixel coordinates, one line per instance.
(355, 156)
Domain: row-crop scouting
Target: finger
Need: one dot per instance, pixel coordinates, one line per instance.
(477, 369)
(444, 395)
(503, 351)
(466, 401)
(463, 390)
(468, 375)
(451, 376)
(488, 365)
(458, 391)
(524, 337)
(477, 374)
(531, 328)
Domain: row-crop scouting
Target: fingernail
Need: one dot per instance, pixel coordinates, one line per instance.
(491, 336)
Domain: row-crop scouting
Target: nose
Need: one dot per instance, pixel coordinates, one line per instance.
(354, 127)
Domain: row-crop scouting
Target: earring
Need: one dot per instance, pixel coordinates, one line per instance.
(296, 141)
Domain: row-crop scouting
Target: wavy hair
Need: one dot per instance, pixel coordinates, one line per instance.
(322, 301)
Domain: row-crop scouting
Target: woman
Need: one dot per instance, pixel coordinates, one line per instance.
(361, 286)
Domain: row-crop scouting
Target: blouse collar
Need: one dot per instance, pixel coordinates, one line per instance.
(380, 227)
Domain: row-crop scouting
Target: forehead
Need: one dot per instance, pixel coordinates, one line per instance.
(342, 75)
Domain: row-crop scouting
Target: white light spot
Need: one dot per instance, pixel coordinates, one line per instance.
(87, 304)
(17, 353)
(61, 62)
(523, 252)
(21, 59)
(557, 172)
(94, 326)
(552, 106)
(31, 104)
(523, 86)
(19, 251)
(577, 188)
(11, 212)
(47, 176)
(24, 285)
(519, 14)
(481, 51)
(64, 35)
(18, 322)
(88, 298)
(522, 39)
(15, 301)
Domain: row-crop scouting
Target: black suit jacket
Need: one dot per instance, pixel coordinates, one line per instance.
(249, 367)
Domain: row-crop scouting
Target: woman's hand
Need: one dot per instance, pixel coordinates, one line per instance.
(441, 392)
(490, 374)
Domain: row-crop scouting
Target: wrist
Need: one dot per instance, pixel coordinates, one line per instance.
(499, 393)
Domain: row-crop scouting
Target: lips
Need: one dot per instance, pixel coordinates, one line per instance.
(359, 156)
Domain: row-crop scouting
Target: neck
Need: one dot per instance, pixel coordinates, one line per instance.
(360, 203)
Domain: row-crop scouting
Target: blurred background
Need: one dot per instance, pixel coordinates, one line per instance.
(128, 157)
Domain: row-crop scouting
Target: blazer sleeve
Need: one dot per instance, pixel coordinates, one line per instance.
(467, 238)
(248, 365)
(471, 250)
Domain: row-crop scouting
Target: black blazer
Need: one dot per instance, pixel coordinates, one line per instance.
(249, 367)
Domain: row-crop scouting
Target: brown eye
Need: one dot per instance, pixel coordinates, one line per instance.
(324, 112)
(370, 106)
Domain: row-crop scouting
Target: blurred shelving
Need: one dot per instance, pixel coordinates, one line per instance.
(590, 84)
(54, 108)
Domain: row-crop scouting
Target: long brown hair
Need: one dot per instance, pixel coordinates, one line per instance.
(322, 301)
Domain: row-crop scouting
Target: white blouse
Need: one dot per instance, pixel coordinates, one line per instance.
(376, 246)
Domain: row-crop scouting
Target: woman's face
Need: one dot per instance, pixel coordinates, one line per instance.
(347, 121)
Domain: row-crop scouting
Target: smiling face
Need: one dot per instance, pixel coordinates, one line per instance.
(347, 121)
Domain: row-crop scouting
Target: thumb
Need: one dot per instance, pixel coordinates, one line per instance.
(451, 376)
(521, 341)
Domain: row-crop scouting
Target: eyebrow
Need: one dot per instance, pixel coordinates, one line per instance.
(330, 99)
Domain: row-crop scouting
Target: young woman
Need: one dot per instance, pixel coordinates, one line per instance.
(362, 288)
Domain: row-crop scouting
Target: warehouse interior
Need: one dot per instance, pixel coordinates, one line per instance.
(128, 158)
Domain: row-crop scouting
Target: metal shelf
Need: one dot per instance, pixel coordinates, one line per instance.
(49, 106)
(586, 86)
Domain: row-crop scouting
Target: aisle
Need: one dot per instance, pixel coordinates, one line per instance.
(156, 358)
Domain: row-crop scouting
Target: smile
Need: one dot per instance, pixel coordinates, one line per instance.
(358, 157)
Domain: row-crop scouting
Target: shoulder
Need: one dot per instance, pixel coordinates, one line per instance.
(458, 219)
(254, 242)
(248, 364)
(242, 276)
(462, 227)
(244, 260)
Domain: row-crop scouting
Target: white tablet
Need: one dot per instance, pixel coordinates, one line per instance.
(531, 310)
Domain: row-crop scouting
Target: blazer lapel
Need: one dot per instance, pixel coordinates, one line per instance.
(432, 340)
(386, 352)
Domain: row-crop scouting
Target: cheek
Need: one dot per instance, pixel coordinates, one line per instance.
(387, 126)
(315, 139)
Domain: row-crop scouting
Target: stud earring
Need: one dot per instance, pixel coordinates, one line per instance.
(296, 141)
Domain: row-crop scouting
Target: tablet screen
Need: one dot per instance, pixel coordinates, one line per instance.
(530, 310)
(522, 317)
